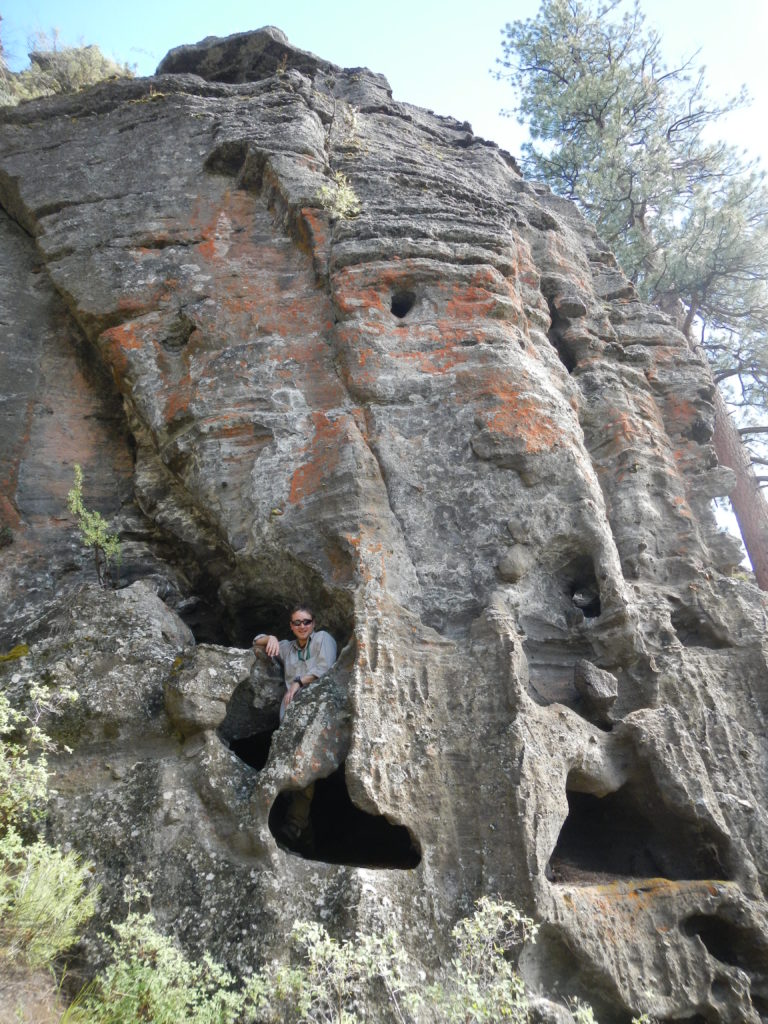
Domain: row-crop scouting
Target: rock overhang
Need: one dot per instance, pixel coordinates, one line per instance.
(242, 57)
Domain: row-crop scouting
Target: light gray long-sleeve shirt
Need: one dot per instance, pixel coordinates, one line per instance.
(319, 658)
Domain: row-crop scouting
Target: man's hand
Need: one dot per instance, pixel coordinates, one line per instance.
(292, 690)
(269, 644)
(288, 696)
(273, 646)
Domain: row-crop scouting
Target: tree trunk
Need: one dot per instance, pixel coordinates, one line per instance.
(749, 504)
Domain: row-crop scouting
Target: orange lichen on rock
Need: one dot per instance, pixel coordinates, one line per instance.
(119, 342)
(9, 516)
(468, 302)
(679, 413)
(631, 896)
(440, 359)
(624, 430)
(177, 401)
(520, 415)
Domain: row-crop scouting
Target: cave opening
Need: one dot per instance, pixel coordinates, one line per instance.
(738, 946)
(564, 352)
(579, 582)
(402, 303)
(341, 833)
(695, 629)
(234, 622)
(247, 730)
(631, 833)
(253, 749)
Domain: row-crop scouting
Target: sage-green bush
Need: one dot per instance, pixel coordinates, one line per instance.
(340, 198)
(44, 901)
(56, 69)
(364, 979)
(44, 897)
(330, 981)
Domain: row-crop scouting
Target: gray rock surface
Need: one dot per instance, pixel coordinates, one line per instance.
(597, 688)
(448, 422)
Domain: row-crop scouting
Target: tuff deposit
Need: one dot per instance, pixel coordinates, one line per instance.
(450, 423)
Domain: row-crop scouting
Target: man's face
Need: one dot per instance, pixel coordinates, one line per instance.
(302, 625)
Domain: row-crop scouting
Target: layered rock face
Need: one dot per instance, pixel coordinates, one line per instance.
(450, 424)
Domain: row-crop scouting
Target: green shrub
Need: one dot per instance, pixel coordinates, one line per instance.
(44, 901)
(23, 748)
(335, 981)
(340, 199)
(331, 982)
(43, 893)
(94, 532)
(481, 985)
(56, 69)
(582, 1013)
(150, 979)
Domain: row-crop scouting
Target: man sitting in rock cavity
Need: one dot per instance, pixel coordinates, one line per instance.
(304, 659)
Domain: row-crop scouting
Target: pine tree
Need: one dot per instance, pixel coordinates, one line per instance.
(630, 141)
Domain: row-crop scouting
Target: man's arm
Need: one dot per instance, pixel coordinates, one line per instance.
(268, 642)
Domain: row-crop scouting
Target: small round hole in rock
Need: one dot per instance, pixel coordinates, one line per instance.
(402, 303)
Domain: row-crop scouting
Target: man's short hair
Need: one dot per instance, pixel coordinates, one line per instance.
(302, 606)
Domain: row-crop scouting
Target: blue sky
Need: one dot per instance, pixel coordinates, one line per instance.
(434, 55)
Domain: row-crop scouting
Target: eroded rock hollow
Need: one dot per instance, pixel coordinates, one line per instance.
(449, 423)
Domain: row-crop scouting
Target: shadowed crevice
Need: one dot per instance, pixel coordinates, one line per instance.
(736, 945)
(341, 833)
(695, 629)
(631, 833)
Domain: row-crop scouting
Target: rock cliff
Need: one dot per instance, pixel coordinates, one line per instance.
(449, 423)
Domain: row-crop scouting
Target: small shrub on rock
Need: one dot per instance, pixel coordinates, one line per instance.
(340, 199)
(94, 532)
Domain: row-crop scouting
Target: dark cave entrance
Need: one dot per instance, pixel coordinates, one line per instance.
(558, 326)
(234, 624)
(737, 945)
(341, 833)
(631, 833)
(247, 731)
(694, 629)
(402, 303)
(234, 620)
(338, 832)
(253, 749)
(554, 644)
(564, 351)
(579, 582)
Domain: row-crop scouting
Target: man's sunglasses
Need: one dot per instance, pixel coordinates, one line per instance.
(302, 622)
